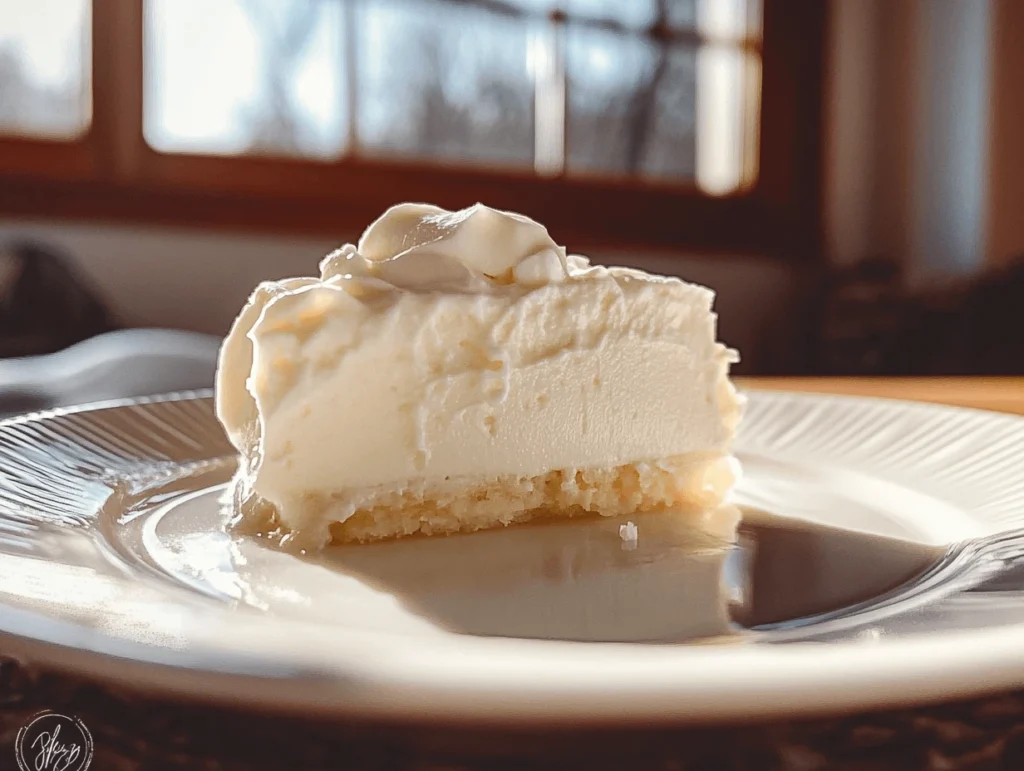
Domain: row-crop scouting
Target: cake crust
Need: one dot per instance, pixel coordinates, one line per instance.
(689, 484)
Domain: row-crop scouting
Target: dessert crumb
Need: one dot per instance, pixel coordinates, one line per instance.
(629, 533)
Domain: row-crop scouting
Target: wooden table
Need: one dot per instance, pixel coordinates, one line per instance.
(1001, 394)
(133, 731)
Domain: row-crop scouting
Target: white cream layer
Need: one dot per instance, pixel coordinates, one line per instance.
(465, 345)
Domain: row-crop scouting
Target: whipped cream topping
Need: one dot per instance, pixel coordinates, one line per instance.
(418, 247)
(459, 346)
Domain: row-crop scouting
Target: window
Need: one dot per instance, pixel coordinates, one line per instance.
(44, 68)
(236, 76)
(691, 123)
(612, 89)
(463, 94)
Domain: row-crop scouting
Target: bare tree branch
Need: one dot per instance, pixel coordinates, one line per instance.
(299, 26)
(643, 103)
(658, 30)
(278, 127)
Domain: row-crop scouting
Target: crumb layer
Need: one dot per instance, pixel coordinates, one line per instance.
(696, 481)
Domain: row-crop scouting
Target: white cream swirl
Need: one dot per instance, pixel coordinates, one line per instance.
(418, 247)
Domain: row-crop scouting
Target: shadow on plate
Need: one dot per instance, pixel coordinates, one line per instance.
(579, 580)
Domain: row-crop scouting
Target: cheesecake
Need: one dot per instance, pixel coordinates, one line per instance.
(459, 371)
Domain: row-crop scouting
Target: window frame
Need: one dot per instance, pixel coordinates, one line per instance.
(110, 174)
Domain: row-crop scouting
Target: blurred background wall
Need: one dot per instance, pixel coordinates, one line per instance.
(925, 116)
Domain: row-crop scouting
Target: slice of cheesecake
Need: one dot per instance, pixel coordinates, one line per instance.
(458, 371)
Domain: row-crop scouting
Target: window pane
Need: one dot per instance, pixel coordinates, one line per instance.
(728, 19)
(246, 76)
(45, 68)
(444, 82)
(728, 96)
(631, 106)
(669, 139)
(644, 107)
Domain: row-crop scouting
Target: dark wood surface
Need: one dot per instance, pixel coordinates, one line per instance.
(131, 731)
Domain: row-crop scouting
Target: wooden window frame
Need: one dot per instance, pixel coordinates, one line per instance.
(112, 175)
